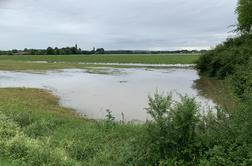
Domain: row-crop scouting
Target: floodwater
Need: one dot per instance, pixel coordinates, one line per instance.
(121, 90)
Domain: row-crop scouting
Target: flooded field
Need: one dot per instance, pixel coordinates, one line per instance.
(122, 90)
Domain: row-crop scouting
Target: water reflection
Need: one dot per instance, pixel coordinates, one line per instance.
(216, 90)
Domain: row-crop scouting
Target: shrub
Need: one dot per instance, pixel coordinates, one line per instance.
(178, 135)
(171, 137)
(230, 59)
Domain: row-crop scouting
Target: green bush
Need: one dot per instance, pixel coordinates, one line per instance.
(179, 135)
(171, 138)
(242, 80)
(230, 59)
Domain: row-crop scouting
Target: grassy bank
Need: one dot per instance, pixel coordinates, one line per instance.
(35, 130)
(144, 59)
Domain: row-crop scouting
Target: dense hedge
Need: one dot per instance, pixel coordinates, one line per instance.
(231, 60)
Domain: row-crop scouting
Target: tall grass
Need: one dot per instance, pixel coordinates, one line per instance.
(35, 130)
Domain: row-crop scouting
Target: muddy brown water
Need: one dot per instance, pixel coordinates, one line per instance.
(122, 90)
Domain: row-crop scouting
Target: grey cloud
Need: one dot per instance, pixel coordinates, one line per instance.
(113, 24)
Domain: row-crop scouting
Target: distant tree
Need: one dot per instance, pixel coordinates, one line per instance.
(85, 52)
(56, 51)
(33, 52)
(99, 51)
(74, 50)
(50, 51)
(14, 51)
(244, 11)
(93, 51)
(67, 51)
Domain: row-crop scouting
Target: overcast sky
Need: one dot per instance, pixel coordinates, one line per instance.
(115, 24)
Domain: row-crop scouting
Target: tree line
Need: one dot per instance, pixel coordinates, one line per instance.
(78, 51)
(53, 51)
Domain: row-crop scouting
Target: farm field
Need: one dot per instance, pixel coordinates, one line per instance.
(130, 58)
(45, 62)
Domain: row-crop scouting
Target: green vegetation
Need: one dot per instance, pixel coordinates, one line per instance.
(231, 60)
(179, 135)
(78, 51)
(244, 16)
(134, 58)
(29, 62)
(35, 130)
(24, 65)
